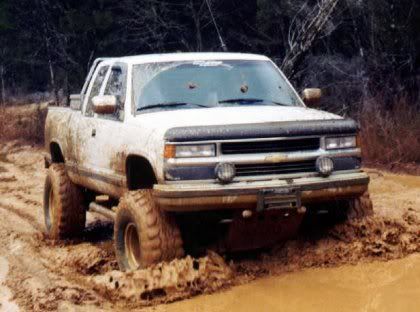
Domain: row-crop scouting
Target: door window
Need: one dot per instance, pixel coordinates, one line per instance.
(96, 87)
(116, 86)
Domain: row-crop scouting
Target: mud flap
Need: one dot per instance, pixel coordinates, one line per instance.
(277, 217)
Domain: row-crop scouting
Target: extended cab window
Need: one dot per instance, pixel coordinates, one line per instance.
(116, 86)
(95, 89)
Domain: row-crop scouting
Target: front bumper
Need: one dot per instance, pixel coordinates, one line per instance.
(244, 195)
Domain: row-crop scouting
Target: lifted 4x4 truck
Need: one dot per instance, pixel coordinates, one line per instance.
(182, 138)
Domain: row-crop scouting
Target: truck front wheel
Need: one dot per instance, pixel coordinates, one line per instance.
(143, 233)
(64, 212)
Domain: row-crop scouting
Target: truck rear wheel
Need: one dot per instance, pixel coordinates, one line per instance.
(360, 207)
(64, 212)
(143, 233)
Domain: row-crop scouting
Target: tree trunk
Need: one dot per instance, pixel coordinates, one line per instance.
(197, 24)
(53, 85)
(3, 87)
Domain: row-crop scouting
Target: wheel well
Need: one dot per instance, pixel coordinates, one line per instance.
(140, 173)
(56, 154)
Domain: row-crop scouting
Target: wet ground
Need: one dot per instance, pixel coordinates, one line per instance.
(370, 265)
(377, 286)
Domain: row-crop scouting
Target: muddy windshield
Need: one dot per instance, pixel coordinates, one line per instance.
(196, 84)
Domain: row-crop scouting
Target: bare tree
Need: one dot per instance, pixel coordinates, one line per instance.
(158, 25)
(3, 86)
(303, 34)
(149, 23)
(5, 64)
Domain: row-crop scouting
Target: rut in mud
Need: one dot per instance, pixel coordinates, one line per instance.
(43, 275)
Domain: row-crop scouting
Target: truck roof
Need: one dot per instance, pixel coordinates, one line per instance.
(196, 56)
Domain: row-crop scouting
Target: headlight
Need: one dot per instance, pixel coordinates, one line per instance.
(185, 151)
(340, 142)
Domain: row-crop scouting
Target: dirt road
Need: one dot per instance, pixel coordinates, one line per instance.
(36, 274)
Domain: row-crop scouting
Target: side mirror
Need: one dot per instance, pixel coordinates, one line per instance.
(311, 96)
(104, 104)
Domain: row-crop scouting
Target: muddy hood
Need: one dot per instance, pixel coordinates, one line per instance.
(242, 122)
(230, 116)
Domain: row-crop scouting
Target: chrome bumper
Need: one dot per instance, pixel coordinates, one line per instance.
(243, 195)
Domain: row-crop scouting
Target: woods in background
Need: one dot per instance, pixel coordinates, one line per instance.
(354, 50)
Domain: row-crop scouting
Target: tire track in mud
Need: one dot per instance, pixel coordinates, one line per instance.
(41, 286)
(81, 266)
(5, 293)
(83, 272)
(3, 169)
(30, 219)
(35, 263)
(69, 286)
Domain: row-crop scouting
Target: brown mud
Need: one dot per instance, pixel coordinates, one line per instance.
(376, 286)
(38, 274)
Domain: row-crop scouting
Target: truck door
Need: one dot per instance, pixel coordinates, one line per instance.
(99, 134)
(86, 128)
(109, 139)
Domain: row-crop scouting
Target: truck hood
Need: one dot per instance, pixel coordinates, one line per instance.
(164, 120)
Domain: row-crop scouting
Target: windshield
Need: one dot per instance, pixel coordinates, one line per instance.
(198, 84)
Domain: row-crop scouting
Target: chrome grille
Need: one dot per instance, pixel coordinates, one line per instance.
(273, 169)
(278, 146)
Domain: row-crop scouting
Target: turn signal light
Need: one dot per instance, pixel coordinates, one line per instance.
(170, 151)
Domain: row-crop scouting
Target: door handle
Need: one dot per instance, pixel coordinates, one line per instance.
(93, 132)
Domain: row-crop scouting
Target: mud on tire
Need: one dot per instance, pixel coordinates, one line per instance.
(360, 207)
(64, 212)
(143, 233)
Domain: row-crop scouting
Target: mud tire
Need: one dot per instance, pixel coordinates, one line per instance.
(360, 207)
(158, 235)
(67, 217)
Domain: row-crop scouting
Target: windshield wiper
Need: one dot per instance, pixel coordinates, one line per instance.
(242, 100)
(167, 104)
(251, 101)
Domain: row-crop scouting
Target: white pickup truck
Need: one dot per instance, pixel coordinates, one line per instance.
(222, 137)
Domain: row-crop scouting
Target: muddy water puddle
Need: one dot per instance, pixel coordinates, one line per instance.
(377, 286)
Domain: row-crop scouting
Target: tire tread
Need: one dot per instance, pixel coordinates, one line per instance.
(70, 215)
(160, 238)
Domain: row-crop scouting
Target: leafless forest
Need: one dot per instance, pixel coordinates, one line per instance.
(363, 54)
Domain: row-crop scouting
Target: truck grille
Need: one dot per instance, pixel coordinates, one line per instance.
(259, 147)
(272, 169)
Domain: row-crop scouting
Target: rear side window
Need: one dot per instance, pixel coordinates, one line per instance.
(95, 89)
